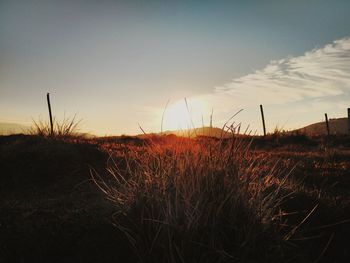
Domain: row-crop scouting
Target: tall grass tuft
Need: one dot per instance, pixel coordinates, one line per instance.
(65, 128)
(197, 200)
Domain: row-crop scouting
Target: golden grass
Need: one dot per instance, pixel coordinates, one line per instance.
(197, 200)
(66, 127)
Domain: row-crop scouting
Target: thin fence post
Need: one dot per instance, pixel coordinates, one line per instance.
(327, 124)
(50, 113)
(211, 122)
(263, 119)
(349, 121)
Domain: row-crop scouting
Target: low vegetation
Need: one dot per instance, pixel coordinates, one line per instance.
(65, 128)
(198, 200)
(282, 198)
(216, 200)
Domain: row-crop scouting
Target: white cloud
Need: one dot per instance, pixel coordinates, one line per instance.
(295, 91)
(318, 73)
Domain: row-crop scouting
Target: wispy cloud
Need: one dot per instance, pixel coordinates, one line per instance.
(296, 90)
(319, 73)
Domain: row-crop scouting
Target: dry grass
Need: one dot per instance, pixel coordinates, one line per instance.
(186, 200)
(176, 199)
(65, 128)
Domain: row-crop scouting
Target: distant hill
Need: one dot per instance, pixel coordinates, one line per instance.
(336, 126)
(12, 128)
(204, 131)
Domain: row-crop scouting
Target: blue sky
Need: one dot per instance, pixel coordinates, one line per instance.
(116, 63)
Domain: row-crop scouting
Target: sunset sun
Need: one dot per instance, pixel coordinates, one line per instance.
(178, 116)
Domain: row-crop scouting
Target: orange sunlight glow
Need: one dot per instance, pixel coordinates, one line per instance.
(178, 117)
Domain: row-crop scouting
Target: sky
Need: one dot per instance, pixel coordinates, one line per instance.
(116, 64)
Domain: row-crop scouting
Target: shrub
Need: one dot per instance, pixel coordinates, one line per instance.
(197, 201)
(67, 127)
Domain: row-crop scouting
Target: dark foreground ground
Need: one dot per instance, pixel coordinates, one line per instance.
(51, 211)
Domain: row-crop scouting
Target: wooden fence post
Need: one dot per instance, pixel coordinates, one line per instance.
(327, 124)
(50, 114)
(263, 119)
(349, 121)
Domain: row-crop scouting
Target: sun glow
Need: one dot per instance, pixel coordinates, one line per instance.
(178, 116)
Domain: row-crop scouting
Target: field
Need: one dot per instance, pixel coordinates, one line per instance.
(282, 198)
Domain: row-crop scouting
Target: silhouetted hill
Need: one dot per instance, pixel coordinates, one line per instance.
(203, 131)
(336, 126)
(12, 128)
